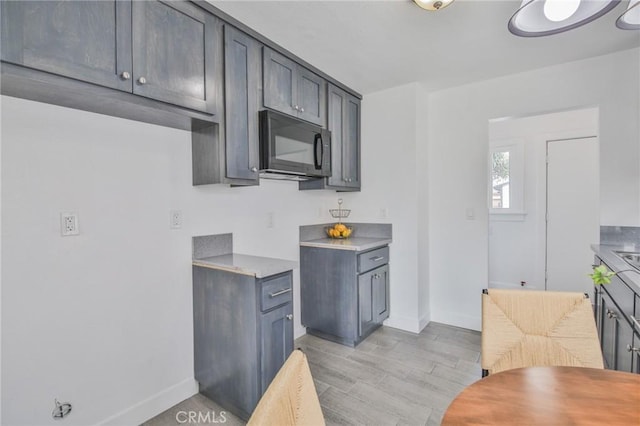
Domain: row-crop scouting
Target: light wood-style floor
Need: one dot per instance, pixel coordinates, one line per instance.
(392, 378)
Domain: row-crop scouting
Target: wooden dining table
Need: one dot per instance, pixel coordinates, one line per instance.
(549, 396)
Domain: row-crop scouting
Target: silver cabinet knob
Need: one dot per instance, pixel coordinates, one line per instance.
(296, 107)
(254, 169)
(301, 109)
(289, 317)
(611, 314)
(125, 75)
(142, 81)
(632, 349)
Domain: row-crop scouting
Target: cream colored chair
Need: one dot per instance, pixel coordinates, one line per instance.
(291, 398)
(523, 328)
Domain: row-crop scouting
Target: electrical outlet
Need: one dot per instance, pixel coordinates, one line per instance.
(69, 224)
(175, 219)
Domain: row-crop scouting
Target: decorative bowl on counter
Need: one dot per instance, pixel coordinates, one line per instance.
(339, 231)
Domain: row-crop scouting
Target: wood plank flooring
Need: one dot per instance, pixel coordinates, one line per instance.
(391, 378)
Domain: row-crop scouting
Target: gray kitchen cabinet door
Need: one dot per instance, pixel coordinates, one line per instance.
(276, 342)
(311, 100)
(381, 294)
(344, 124)
(173, 53)
(241, 81)
(280, 82)
(84, 40)
(366, 315)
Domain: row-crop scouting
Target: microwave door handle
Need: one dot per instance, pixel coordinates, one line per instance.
(317, 162)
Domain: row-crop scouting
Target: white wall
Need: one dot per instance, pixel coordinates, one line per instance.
(104, 319)
(389, 182)
(517, 244)
(457, 163)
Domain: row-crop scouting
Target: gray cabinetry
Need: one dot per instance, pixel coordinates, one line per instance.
(85, 40)
(160, 50)
(343, 120)
(242, 67)
(293, 89)
(173, 52)
(619, 336)
(344, 293)
(243, 333)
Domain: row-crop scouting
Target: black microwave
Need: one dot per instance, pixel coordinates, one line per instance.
(293, 149)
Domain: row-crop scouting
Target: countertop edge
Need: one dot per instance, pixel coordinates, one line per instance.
(330, 244)
(606, 253)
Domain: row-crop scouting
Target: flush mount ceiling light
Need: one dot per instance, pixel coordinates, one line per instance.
(433, 5)
(630, 20)
(537, 18)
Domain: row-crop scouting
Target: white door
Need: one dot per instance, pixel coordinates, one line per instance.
(573, 213)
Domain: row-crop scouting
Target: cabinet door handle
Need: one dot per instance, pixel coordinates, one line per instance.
(254, 169)
(611, 314)
(289, 317)
(279, 292)
(125, 75)
(301, 109)
(296, 107)
(632, 349)
(142, 81)
(635, 322)
(376, 258)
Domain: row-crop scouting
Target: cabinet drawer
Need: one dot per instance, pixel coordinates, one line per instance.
(276, 292)
(373, 259)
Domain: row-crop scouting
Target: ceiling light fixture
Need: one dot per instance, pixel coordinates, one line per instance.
(630, 20)
(433, 5)
(537, 18)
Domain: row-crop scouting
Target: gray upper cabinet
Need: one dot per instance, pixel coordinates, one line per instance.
(85, 40)
(159, 50)
(292, 89)
(242, 68)
(344, 124)
(173, 49)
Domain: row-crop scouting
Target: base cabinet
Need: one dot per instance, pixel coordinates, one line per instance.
(243, 333)
(344, 293)
(619, 341)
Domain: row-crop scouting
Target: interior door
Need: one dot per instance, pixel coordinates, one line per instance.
(573, 219)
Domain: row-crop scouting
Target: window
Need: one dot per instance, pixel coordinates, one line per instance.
(506, 181)
(500, 180)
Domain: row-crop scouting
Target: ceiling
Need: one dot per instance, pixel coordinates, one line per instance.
(372, 45)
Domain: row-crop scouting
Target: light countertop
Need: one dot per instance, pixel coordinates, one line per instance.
(257, 266)
(352, 243)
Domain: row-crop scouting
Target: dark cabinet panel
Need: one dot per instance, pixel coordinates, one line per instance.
(337, 302)
(239, 346)
(173, 51)
(242, 67)
(343, 120)
(292, 89)
(277, 342)
(85, 40)
(280, 83)
(617, 336)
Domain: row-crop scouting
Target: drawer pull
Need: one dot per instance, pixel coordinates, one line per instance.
(279, 292)
(376, 259)
(635, 322)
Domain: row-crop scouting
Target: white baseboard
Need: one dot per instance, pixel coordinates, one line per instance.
(299, 332)
(470, 322)
(154, 405)
(409, 324)
(424, 320)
